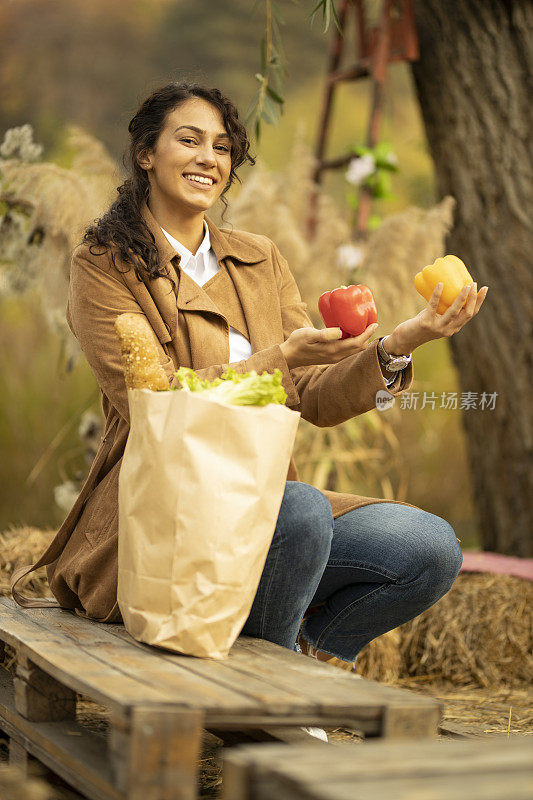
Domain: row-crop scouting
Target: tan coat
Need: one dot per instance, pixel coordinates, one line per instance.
(255, 293)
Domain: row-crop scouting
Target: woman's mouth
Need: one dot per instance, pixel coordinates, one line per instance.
(200, 183)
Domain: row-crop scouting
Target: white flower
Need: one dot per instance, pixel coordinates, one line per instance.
(18, 143)
(66, 495)
(360, 168)
(392, 158)
(349, 256)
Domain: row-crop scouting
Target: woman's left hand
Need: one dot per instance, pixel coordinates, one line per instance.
(428, 325)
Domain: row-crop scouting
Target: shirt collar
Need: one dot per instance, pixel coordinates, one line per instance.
(185, 254)
(224, 243)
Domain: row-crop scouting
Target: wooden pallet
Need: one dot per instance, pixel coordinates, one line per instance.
(159, 702)
(379, 770)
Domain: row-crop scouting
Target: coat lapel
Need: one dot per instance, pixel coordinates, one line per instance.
(250, 269)
(245, 263)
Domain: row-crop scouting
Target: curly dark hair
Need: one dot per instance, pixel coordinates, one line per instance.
(122, 229)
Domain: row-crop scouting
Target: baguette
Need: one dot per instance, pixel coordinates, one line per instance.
(140, 357)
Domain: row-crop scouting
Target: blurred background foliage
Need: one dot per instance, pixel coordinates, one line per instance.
(89, 64)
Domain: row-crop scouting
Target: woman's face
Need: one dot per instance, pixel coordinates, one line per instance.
(193, 142)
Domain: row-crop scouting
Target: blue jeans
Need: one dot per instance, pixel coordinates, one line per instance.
(373, 569)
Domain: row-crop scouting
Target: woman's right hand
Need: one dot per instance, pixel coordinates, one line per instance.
(308, 346)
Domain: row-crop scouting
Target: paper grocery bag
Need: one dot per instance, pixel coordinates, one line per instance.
(200, 488)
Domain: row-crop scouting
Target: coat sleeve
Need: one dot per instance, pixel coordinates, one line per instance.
(332, 393)
(97, 295)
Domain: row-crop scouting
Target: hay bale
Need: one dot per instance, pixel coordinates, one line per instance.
(381, 660)
(480, 634)
(20, 546)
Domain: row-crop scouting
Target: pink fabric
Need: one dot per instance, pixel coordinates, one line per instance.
(475, 561)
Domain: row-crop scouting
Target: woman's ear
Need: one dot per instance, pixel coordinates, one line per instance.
(144, 160)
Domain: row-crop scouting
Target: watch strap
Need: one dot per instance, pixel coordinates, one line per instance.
(390, 362)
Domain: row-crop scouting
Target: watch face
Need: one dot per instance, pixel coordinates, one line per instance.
(397, 363)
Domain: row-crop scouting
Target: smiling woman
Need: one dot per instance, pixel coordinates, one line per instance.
(186, 146)
(188, 173)
(216, 297)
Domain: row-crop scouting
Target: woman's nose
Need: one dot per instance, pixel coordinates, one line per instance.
(206, 156)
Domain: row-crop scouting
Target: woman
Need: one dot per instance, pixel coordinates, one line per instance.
(213, 297)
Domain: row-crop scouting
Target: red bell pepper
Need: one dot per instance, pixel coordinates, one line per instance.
(350, 308)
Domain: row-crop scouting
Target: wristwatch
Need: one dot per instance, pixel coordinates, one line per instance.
(392, 363)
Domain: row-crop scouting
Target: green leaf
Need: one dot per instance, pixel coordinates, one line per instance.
(335, 17)
(275, 96)
(276, 37)
(252, 108)
(326, 15)
(382, 149)
(245, 389)
(361, 150)
(374, 222)
(269, 112)
(315, 9)
(386, 165)
(381, 185)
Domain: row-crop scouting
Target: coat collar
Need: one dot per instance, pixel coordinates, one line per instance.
(225, 244)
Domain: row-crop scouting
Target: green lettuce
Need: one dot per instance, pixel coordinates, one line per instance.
(244, 389)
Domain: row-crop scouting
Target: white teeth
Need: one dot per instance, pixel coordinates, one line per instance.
(199, 179)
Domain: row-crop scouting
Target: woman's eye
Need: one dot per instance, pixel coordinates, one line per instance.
(193, 141)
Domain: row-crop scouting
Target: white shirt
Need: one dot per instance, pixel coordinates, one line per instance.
(201, 267)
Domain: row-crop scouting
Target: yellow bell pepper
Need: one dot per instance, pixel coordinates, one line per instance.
(448, 270)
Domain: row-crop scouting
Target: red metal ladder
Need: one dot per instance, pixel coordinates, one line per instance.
(394, 38)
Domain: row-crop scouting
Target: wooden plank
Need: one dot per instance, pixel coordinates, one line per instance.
(167, 675)
(331, 696)
(367, 706)
(156, 757)
(403, 714)
(98, 675)
(178, 677)
(40, 698)
(456, 730)
(466, 787)
(64, 655)
(269, 696)
(303, 670)
(67, 748)
(395, 768)
(259, 679)
(76, 670)
(237, 771)
(18, 756)
(246, 668)
(273, 681)
(395, 758)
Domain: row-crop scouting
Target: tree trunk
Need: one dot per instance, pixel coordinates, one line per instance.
(475, 87)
